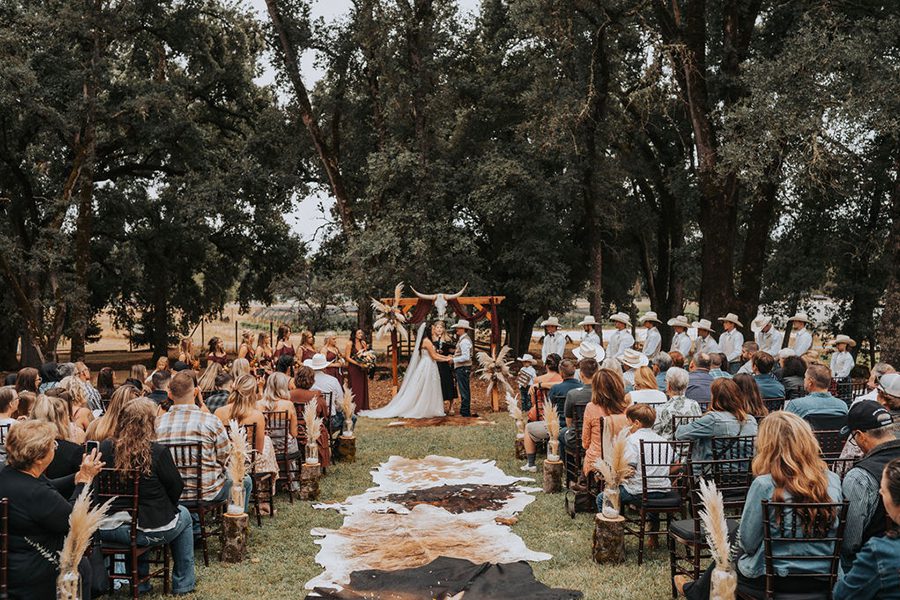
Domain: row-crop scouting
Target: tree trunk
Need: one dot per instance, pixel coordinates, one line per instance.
(609, 540)
(890, 317)
(159, 337)
(553, 471)
(236, 529)
(519, 326)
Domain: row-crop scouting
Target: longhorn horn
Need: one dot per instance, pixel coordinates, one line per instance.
(457, 294)
(423, 296)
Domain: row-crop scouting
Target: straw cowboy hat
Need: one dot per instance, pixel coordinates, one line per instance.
(649, 316)
(317, 362)
(786, 353)
(800, 316)
(525, 358)
(703, 324)
(731, 318)
(843, 339)
(679, 321)
(759, 323)
(550, 322)
(462, 324)
(588, 320)
(621, 318)
(634, 359)
(589, 350)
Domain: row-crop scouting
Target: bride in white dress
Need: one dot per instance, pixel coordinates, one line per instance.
(419, 396)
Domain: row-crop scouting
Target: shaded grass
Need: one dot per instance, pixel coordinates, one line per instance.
(282, 552)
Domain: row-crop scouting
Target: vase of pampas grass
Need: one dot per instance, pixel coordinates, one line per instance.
(614, 471)
(495, 371)
(724, 580)
(238, 456)
(512, 407)
(313, 430)
(83, 523)
(551, 417)
(349, 409)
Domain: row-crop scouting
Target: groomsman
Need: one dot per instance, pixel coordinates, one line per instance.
(768, 338)
(802, 341)
(621, 339)
(653, 341)
(730, 341)
(681, 342)
(462, 366)
(842, 361)
(705, 342)
(554, 342)
(589, 324)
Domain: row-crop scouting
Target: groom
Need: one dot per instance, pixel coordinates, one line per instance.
(462, 365)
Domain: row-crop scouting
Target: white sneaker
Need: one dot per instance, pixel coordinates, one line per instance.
(529, 468)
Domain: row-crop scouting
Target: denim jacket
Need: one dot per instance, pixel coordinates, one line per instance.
(875, 572)
(710, 425)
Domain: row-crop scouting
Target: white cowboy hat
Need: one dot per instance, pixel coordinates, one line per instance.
(679, 321)
(731, 318)
(759, 323)
(786, 352)
(589, 350)
(703, 324)
(800, 316)
(588, 320)
(525, 358)
(550, 322)
(649, 316)
(317, 362)
(843, 339)
(634, 359)
(621, 318)
(462, 324)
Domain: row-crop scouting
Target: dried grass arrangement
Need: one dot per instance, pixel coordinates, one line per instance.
(495, 370)
(83, 523)
(724, 579)
(515, 411)
(614, 471)
(348, 407)
(551, 417)
(313, 431)
(390, 318)
(238, 457)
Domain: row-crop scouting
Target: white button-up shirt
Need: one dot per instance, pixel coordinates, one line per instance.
(801, 341)
(730, 343)
(841, 364)
(619, 342)
(592, 337)
(706, 345)
(554, 343)
(653, 342)
(769, 341)
(681, 342)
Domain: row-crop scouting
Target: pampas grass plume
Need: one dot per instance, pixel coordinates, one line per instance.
(347, 404)
(239, 453)
(724, 586)
(83, 522)
(616, 469)
(313, 423)
(512, 407)
(552, 419)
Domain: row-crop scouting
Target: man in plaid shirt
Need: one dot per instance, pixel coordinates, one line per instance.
(187, 423)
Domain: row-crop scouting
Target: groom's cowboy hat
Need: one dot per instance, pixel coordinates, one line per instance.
(731, 318)
(550, 322)
(588, 320)
(634, 359)
(621, 318)
(589, 350)
(649, 316)
(317, 362)
(759, 323)
(462, 324)
(801, 316)
(679, 321)
(842, 339)
(703, 324)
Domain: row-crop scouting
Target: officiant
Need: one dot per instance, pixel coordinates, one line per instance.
(444, 346)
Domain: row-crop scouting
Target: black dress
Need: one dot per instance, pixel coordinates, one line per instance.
(445, 369)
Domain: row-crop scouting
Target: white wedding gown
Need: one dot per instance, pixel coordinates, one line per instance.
(419, 396)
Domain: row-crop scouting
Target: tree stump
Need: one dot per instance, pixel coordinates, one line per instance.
(553, 472)
(609, 539)
(309, 481)
(236, 530)
(346, 448)
(520, 448)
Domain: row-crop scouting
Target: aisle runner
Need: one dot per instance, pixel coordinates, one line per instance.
(423, 509)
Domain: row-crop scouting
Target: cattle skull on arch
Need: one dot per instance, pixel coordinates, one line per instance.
(440, 300)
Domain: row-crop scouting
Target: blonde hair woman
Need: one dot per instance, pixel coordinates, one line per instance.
(186, 351)
(277, 398)
(264, 352)
(105, 426)
(80, 414)
(307, 345)
(207, 381)
(240, 366)
(646, 390)
(333, 355)
(246, 350)
(69, 451)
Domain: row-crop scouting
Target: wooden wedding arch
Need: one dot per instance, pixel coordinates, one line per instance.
(417, 309)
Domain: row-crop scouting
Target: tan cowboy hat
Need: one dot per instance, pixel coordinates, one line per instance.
(525, 358)
(588, 320)
(462, 324)
(759, 323)
(703, 324)
(589, 350)
(843, 339)
(317, 362)
(786, 353)
(649, 316)
(550, 322)
(679, 321)
(634, 359)
(621, 318)
(800, 316)
(731, 318)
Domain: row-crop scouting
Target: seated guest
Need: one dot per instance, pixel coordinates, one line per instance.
(787, 468)
(49, 377)
(160, 519)
(218, 397)
(700, 379)
(536, 431)
(769, 386)
(159, 388)
(604, 417)
(727, 416)
(876, 570)
(755, 405)
(878, 371)
(26, 403)
(818, 401)
(547, 380)
(889, 394)
(83, 373)
(661, 363)
(186, 423)
(328, 385)
(632, 360)
(646, 390)
(69, 452)
(240, 366)
(677, 405)
(241, 407)
(72, 391)
(137, 377)
(277, 398)
(38, 512)
(28, 380)
(875, 432)
(569, 434)
(614, 365)
(9, 402)
(793, 376)
(748, 349)
(677, 359)
(106, 383)
(716, 361)
(304, 378)
(285, 364)
(105, 426)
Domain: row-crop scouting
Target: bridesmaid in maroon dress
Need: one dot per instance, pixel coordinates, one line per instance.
(359, 377)
(307, 346)
(217, 352)
(283, 345)
(333, 355)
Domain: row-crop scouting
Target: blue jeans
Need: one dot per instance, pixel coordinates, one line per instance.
(180, 539)
(462, 375)
(225, 494)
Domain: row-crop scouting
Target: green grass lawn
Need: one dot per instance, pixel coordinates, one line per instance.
(282, 552)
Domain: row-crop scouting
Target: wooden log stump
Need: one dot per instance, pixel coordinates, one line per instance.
(236, 531)
(495, 399)
(346, 449)
(553, 472)
(609, 539)
(309, 481)
(520, 448)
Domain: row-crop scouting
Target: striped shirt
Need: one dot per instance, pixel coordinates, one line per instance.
(186, 423)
